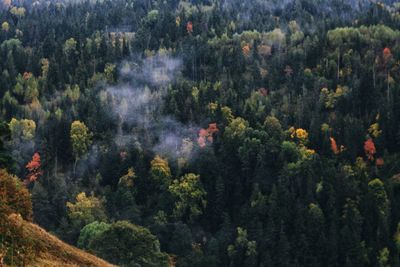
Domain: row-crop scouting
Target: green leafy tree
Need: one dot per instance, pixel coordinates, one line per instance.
(86, 209)
(127, 244)
(190, 196)
(90, 232)
(81, 139)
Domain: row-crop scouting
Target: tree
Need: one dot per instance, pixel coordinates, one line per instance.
(15, 201)
(190, 196)
(81, 140)
(6, 161)
(383, 258)
(90, 232)
(189, 27)
(70, 47)
(334, 146)
(86, 209)
(160, 170)
(236, 129)
(127, 244)
(243, 252)
(124, 198)
(22, 129)
(379, 197)
(34, 169)
(5, 26)
(206, 135)
(14, 197)
(369, 148)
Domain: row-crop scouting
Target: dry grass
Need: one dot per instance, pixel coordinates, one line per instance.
(51, 251)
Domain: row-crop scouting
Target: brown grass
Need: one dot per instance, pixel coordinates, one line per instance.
(51, 251)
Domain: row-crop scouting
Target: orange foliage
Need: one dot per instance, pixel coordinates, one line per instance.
(33, 168)
(387, 54)
(334, 146)
(27, 75)
(189, 27)
(369, 148)
(379, 162)
(246, 50)
(207, 134)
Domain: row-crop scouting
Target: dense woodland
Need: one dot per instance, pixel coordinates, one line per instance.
(203, 133)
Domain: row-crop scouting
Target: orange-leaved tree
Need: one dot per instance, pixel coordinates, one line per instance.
(34, 169)
(334, 146)
(369, 148)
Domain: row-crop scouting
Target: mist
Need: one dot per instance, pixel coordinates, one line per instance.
(137, 101)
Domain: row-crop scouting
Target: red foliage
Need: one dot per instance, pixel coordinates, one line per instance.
(212, 128)
(387, 54)
(33, 168)
(379, 162)
(189, 27)
(207, 134)
(246, 50)
(369, 148)
(27, 75)
(334, 146)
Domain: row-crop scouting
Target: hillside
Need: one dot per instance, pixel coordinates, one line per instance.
(52, 251)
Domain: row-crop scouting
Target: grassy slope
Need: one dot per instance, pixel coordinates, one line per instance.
(54, 252)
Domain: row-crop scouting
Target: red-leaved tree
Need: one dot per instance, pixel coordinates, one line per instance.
(207, 134)
(189, 27)
(334, 146)
(369, 148)
(34, 169)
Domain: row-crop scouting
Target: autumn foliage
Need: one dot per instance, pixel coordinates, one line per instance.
(246, 50)
(189, 27)
(369, 148)
(379, 162)
(334, 146)
(387, 54)
(207, 134)
(34, 169)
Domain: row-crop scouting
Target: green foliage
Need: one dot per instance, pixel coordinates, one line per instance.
(243, 251)
(160, 170)
(86, 209)
(290, 90)
(91, 232)
(379, 196)
(22, 129)
(127, 244)
(80, 139)
(190, 196)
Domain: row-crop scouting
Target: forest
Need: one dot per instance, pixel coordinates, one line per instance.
(202, 133)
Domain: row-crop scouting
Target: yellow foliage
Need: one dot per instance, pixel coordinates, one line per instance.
(24, 128)
(160, 168)
(128, 179)
(5, 26)
(300, 134)
(374, 130)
